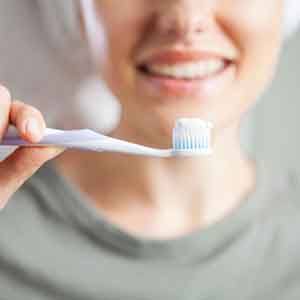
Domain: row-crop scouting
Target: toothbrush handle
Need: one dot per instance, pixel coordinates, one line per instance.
(83, 139)
(12, 138)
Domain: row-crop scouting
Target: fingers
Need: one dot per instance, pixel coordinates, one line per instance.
(25, 161)
(21, 165)
(5, 103)
(28, 120)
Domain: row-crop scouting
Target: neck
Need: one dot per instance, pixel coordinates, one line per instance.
(203, 188)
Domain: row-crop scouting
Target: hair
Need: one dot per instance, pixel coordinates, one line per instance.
(62, 16)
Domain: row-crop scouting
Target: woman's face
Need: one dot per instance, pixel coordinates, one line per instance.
(187, 58)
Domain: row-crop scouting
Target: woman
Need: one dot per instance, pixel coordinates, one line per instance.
(111, 226)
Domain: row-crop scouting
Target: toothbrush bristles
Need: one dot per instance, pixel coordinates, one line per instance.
(192, 136)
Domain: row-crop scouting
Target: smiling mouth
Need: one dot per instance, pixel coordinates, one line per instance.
(186, 71)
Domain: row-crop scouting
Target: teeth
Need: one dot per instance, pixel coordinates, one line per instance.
(188, 70)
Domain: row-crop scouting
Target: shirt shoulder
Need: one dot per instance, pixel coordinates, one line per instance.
(287, 198)
(30, 211)
(279, 222)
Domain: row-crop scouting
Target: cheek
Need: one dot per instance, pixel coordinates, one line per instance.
(252, 17)
(258, 37)
(255, 28)
(123, 29)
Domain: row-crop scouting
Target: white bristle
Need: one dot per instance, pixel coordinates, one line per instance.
(192, 135)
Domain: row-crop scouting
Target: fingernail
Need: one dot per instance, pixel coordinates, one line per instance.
(33, 128)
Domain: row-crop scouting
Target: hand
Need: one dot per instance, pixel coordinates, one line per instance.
(24, 161)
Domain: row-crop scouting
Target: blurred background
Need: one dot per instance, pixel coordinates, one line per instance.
(44, 65)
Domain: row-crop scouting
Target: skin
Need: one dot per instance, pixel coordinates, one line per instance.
(163, 198)
(24, 162)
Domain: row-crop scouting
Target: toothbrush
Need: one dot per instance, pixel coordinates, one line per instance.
(191, 136)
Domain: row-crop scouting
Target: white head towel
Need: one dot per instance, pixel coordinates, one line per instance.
(292, 17)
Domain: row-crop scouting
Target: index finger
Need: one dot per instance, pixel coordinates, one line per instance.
(5, 103)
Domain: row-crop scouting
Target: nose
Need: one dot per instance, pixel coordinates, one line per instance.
(182, 18)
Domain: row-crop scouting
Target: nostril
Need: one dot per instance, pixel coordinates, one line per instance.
(181, 21)
(199, 24)
(171, 21)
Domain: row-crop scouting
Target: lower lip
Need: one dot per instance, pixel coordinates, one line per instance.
(204, 88)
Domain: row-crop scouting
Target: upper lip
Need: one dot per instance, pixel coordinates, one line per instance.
(175, 56)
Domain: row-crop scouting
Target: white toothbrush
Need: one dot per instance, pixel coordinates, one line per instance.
(190, 137)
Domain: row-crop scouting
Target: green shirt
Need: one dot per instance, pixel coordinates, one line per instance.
(55, 245)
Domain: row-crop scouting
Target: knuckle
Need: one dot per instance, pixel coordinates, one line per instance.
(21, 111)
(16, 107)
(25, 109)
(30, 111)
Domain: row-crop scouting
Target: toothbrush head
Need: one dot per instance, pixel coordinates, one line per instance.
(192, 136)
